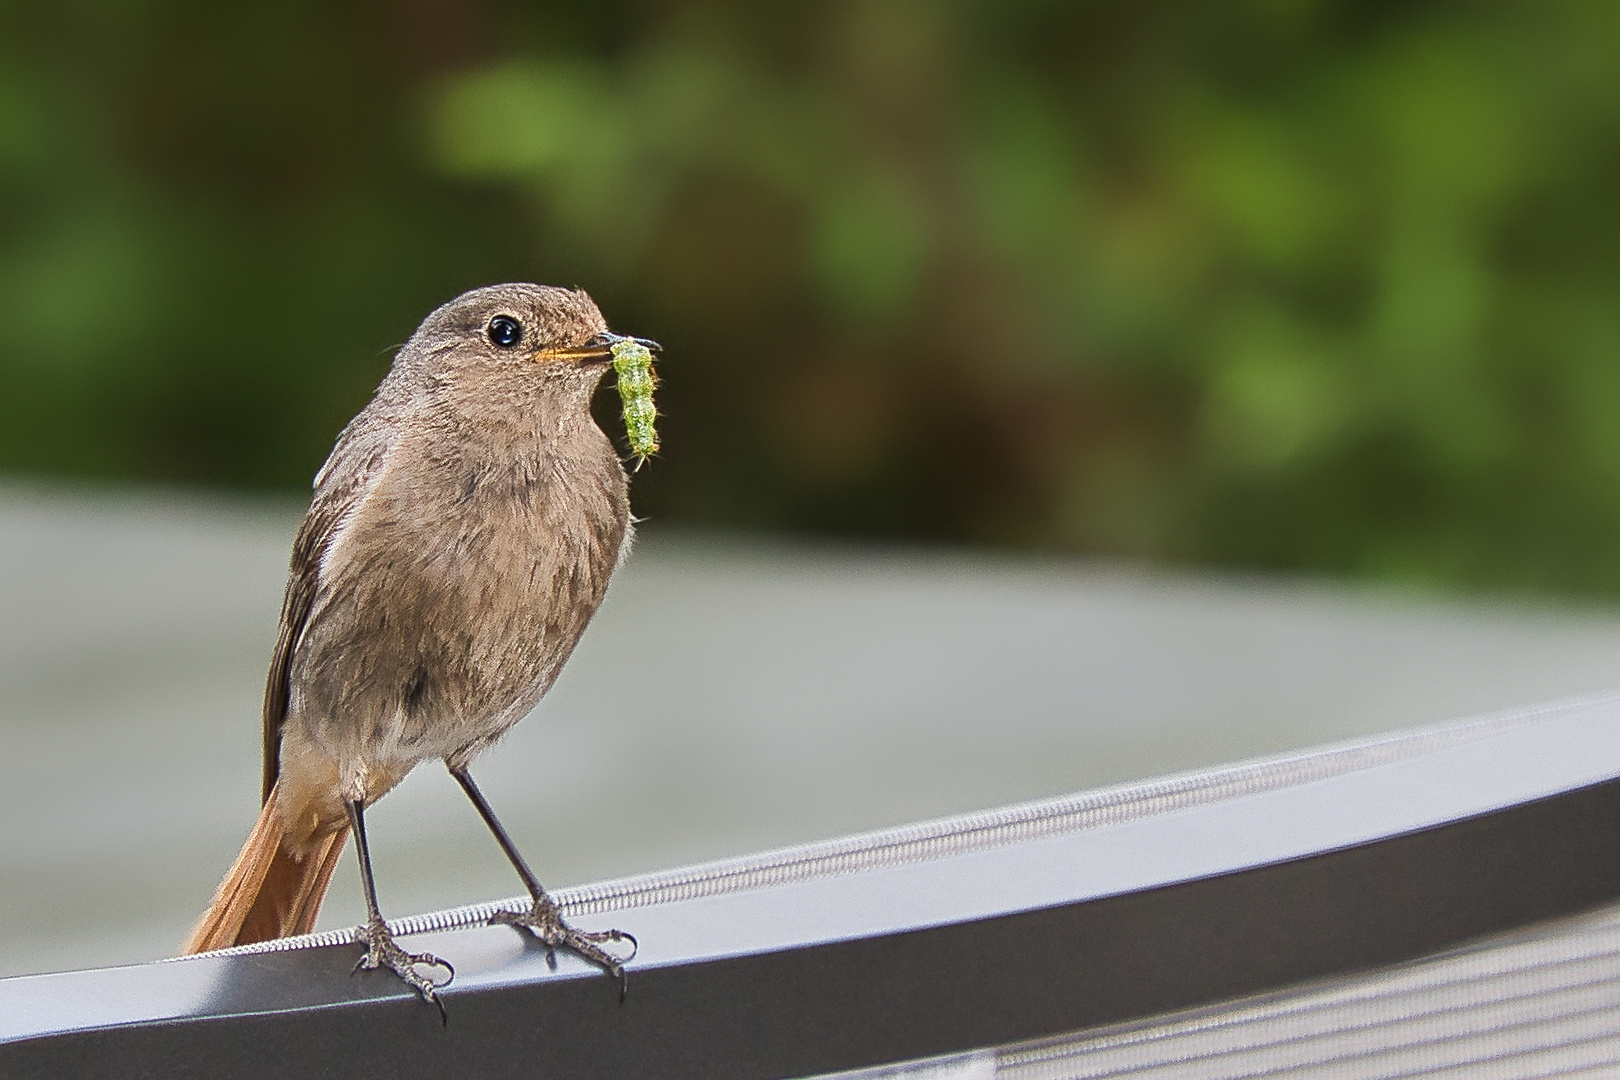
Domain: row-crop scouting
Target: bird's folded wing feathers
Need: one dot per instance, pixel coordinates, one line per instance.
(350, 473)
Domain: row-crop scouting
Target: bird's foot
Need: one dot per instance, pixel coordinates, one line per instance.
(546, 923)
(382, 952)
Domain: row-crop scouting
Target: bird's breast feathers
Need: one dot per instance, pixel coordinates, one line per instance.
(464, 592)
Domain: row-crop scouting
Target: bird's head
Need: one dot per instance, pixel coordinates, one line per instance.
(509, 354)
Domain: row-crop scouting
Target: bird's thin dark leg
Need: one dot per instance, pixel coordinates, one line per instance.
(543, 918)
(381, 951)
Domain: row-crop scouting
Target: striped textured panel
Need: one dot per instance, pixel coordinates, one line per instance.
(1539, 1004)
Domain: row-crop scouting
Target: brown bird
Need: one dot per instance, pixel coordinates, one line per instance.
(460, 537)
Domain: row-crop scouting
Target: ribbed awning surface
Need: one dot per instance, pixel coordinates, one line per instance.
(1535, 1005)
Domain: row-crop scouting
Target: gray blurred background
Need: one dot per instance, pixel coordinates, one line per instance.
(1126, 387)
(733, 694)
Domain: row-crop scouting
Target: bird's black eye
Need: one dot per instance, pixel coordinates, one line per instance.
(505, 331)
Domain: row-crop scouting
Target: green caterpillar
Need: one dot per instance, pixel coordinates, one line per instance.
(632, 367)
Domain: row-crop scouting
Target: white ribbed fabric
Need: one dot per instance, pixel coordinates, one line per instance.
(1537, 1004)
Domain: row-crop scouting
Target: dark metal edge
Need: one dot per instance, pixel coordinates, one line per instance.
(919, 993)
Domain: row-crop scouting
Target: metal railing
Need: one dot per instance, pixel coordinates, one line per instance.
(1033, 922)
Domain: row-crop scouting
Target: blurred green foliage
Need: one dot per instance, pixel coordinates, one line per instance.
(1268, 282)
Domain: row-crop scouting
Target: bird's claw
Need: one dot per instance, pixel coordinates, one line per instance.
(543, 921)
(383, 952)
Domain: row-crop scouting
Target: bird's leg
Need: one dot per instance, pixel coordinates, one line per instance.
(381, 951)
(543, 918)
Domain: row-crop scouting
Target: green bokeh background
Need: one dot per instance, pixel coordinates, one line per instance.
(1276, 283)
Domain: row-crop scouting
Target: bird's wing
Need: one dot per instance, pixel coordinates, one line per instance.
(348, 476)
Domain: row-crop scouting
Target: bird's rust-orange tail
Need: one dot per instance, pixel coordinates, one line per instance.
(267, 893)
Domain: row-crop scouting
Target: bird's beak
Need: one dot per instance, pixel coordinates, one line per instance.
(598, 350)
